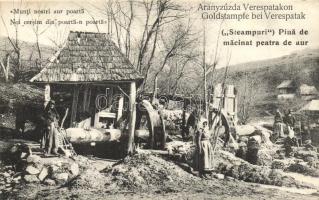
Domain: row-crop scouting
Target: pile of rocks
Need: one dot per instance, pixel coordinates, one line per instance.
(304, 162)
(50, 171)
(237, 168)
(173, 119)
(8, 179)
(145, 171)
(283, 164)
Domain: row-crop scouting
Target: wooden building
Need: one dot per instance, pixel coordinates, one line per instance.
(307, 92)
(102, 80)
(287, 90)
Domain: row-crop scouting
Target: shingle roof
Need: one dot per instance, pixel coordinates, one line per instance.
(88, 57)
(286, 84)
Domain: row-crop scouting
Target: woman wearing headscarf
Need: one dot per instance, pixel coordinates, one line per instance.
(278, 126)
(203, 150)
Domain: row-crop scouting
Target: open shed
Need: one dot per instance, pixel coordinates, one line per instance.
(100, 80)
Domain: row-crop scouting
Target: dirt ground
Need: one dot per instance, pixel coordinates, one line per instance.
(206, 189)
(150, 177)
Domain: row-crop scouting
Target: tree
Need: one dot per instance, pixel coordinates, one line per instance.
(179, 68)
(38, 31)
(59, 38)
(208, 68)
(15, 54)
(6, 67)
(174, 46)
(248, 97)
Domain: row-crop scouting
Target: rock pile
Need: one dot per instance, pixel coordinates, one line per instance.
(304, 162)
(90, 179)
(144, 171)
(173, 119)
(237, 168)
(50, 171)
(8, 179)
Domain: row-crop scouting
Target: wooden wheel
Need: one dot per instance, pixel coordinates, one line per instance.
(155, 124)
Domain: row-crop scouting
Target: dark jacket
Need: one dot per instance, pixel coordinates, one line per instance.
(290, 120)
(51, 116)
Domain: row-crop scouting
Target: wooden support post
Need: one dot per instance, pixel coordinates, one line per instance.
(47, 96)
(74, 104)
(132, 119)
(109, 96)
(85, 98)
(184, 119)
(235, 108)
(88, 99)
(120, 108)
(226, 98)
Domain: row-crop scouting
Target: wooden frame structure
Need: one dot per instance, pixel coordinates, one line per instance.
(89, 61)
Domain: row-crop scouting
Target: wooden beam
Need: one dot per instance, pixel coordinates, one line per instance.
(109, 96)
(120, 108)
(88, 99)
(85, 97)
(184, 119)
(47, 94)
(74, 104)
(132, 120)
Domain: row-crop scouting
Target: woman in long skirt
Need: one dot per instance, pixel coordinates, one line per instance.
(278, 126)
(203, 151)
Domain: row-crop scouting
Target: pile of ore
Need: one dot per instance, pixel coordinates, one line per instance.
(226, 163)
(173, 119)
(8, 179)
(283, 164)
(90, 179)
(304, 162)
(50, 171)
(144, 171)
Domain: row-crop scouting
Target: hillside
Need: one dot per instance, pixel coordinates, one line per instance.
(30, 64)
(297, 56)
(257, 81)
(28, 50)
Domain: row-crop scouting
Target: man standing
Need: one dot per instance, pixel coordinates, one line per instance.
(50, 139)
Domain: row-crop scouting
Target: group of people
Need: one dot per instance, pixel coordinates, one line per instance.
(284, 127)
(281, 122)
